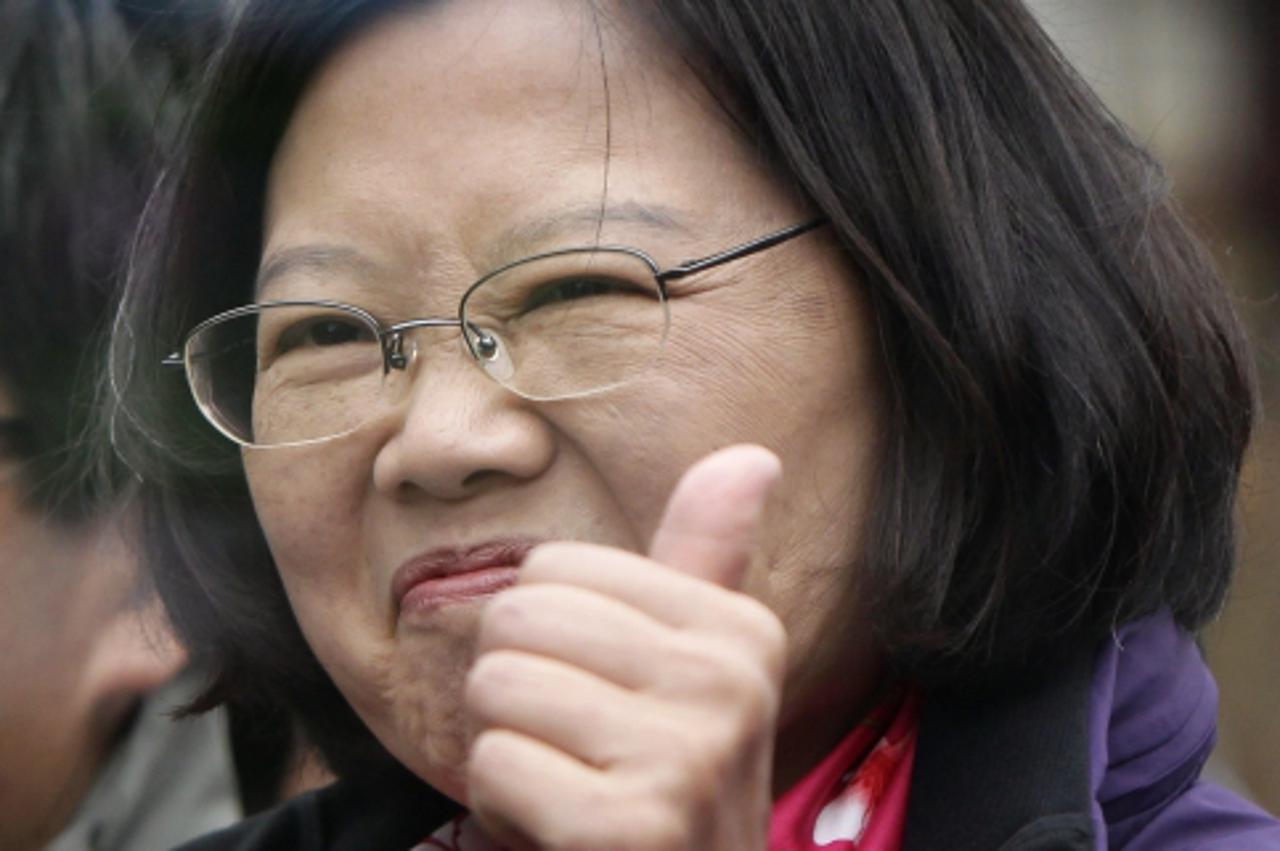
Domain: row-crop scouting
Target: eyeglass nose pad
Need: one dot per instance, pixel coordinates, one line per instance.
(399, 356)
(491, 353)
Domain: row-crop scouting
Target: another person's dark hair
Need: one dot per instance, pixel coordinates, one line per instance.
(1067, 395)
(87, 100)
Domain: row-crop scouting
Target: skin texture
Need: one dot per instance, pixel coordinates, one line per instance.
(78, 652)
(419, 147)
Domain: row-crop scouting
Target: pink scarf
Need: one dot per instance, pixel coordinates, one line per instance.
(856, 798)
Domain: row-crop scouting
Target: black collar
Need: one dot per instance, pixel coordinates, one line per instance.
(1006, 769)
(346, 816)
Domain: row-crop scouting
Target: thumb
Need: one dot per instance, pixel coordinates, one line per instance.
(709, 526)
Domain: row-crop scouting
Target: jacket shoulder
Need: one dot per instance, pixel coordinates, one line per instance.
(295, 825)
(1153, 726)
(345, 816)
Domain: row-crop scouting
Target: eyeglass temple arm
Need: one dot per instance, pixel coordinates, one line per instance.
(689, 267)
(172, 359)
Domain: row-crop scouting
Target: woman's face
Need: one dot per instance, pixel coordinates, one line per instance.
(446, 141)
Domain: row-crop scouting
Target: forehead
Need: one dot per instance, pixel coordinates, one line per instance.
(442, 127)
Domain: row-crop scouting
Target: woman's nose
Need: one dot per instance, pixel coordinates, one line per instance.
(459, 433)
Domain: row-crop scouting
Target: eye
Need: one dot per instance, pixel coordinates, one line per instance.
(576, 289)
(323, 332)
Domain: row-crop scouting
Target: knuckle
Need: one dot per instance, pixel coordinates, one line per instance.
(706, 748)
(506, 609)
(484, 763)
(543, 562)
(698, 756)
(758, 712)
(739, 679)
(490, 678)
(609, 820)
(722, 673)
(766, 634)
(745, 678)
(773, 639)
(685, 659)
(757, 715)
(674, 810)
(501, 621)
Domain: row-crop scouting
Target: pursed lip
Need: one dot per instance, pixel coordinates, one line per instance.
(450, 574)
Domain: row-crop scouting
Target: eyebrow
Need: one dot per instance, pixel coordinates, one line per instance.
(528, 236)
(519, 240)
(320, 258)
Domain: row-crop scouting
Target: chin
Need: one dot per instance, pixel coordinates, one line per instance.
(423, 723)
(442, 765)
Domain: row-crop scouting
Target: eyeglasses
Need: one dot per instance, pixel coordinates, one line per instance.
(557, 325)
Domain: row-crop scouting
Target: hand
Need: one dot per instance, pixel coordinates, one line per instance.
(625, 702)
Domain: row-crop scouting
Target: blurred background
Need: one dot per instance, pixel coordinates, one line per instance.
(1199, 82)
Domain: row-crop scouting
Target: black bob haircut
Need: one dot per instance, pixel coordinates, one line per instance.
(1068, 395)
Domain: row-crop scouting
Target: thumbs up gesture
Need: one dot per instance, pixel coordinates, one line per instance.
(625, 702)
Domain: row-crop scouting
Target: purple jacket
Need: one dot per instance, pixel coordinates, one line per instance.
(1103, 752)
(1153, 722)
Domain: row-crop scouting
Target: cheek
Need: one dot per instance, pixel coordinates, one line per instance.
(797, 372)
(783, 361)
(406, 687)
(631, 446)
(310, 509)
(309, 506)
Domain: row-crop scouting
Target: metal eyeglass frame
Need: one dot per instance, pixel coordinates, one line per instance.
(391, 337)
